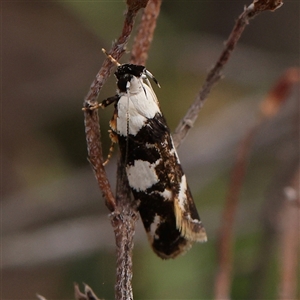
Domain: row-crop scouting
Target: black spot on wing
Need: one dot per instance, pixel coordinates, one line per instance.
(154, 131)
(132, 150)
(146, 144)
(167, 239)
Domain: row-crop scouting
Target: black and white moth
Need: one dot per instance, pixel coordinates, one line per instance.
(153, 168)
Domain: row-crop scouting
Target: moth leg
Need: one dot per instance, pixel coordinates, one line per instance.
(90, 106)
(103, 104)
(109, 101)
(113, 136)
(114, 139)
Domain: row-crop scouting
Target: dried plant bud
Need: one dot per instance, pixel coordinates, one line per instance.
(78, 294)
(261, 5)
(90, 293)
(279, 93)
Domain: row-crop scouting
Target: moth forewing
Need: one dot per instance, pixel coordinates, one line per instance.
(153, 169)
(189, 227)
(149, 87)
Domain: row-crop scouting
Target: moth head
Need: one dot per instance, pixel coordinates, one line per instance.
(126, 72)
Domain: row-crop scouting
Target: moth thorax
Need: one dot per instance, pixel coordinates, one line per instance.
(135, 85)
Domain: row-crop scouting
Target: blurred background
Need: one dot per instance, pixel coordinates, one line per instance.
(55, 226)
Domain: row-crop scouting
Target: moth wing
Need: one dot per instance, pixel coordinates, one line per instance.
(186, 215)
(187, 218)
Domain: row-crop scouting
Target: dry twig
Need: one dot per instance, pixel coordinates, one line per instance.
(270, 106)
(289, 241)
(91, 117)
(123, 220)
(144, 37)
(123, 214)
(215, 73)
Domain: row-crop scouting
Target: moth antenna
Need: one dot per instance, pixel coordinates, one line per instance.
(111, 58)
(149, 74)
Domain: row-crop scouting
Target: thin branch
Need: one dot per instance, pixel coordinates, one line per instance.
(123, 220)
(279, 93)
(91, 117)
(133, 6)
(290, 242)
(215, 73)
(273, 205)
(270, 222)
(144, 37)
(225, 239)
(125, 216)
(270, 106)
(93, 139)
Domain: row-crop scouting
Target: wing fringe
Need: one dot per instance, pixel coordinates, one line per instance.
(191, 229)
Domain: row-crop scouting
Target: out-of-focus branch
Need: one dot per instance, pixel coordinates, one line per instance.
(279, 93)
(290, 241)
(270, 222)
(215, 73)
(270, 106)
(273, 206)
(40, 297)
(144, 37)
(225, 239)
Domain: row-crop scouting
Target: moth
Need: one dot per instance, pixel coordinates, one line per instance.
(153, 169)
